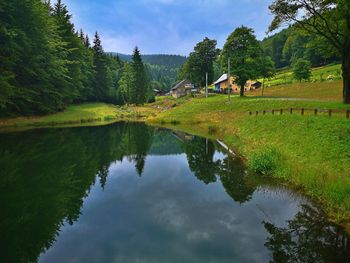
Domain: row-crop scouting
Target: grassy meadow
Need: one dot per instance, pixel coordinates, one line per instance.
(327, 91)
(318, 74)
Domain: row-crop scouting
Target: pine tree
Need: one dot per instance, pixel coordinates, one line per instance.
(138, 91)
(101, 80)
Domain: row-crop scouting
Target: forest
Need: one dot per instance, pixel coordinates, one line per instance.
(291, 44)
(47, 64)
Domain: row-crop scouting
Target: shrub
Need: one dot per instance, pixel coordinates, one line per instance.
(265, 161)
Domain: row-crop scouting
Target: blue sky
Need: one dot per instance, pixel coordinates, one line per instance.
(166, 26)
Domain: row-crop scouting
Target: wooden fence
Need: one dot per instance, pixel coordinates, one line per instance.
(301, 111)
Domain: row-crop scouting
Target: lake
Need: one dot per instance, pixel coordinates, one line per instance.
(129, 192)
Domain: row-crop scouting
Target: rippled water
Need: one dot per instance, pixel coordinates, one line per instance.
(133, 193)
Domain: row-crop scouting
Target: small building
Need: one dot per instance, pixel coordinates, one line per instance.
(182, 88)
(256, 85)
(222, 84)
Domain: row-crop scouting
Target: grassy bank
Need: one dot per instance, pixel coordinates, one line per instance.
(75, 115)
(311, 152)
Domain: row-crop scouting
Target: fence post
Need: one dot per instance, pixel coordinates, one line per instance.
(330, 113)
(315, 112)
(291, 110)
(264, 112)
(273, 112)
(256, 113)
(347, 114)
(302, 111)
(281, 111)
(250, 113)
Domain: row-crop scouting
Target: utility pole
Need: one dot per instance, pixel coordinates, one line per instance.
(228, 80)
(206, 84)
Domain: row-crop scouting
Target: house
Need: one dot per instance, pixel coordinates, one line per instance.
(222, 84)
(158, 92)
(182, 88)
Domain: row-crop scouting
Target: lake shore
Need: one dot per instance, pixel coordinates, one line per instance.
(309, 152)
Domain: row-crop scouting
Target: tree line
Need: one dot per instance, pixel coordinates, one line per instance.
(46, 64)
(320, 33)
(242, 51)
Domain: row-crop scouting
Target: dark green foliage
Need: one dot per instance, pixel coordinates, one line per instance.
(301, 69)
(265, 162)
(200, 156)
(200, 62)
(140, 83)
(293, 43)
(245, 54)
(162, 70)
(45, 65)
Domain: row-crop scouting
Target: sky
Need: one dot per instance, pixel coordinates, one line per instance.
(166, 26)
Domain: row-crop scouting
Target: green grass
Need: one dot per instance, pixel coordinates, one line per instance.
(312, 152)
(328, 91)
(318, 74)
(84, 114)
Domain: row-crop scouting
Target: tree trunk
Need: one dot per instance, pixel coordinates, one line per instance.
(346, 79)
(241, 93)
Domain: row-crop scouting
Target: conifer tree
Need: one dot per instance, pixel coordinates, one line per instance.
(101, 74)
(139, 90)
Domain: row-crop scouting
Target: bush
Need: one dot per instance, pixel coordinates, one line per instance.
(265, 161)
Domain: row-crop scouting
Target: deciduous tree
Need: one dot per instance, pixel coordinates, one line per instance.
(245, 54)
(329, 19)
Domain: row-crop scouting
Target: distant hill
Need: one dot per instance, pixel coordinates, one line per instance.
(172, 61)
(162, 69)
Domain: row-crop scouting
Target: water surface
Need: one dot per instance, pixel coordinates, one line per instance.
(132, 193)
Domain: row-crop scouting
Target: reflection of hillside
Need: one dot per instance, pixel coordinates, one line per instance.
(45, 175)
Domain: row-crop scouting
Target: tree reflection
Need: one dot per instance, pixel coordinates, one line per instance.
(200, 156)
(309, 237)
(200, 153)
(233, 177)
(46, 174)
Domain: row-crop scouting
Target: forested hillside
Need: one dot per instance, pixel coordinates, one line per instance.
(292, 43)
(46, 63)
(162, 69)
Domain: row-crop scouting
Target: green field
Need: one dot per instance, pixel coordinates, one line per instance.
(327, 91)
(311, 152)
(318, 74)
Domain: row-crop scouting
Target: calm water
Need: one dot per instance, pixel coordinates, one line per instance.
(132, 193)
